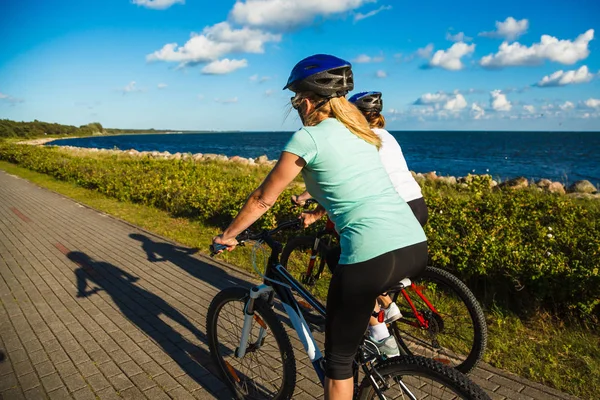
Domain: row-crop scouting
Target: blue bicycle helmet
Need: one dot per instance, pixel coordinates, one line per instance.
(323, 74)
(367, 101)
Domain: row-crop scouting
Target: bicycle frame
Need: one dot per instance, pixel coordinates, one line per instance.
(279, 281)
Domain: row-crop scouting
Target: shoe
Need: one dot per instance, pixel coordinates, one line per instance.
(387, 347)
(392, 313)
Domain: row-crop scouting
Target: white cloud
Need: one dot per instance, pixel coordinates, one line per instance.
(10, 99)
(213, 43)
(431, 98)
(425, 52)
(561, 78)
(477, 112)
(510, 29)
(288, 14)
(200, 97)
(499, 102)
(592, 103)
(567, 105)
(157, 4)
(360, 16)
(227, 101)
(269, 92)
(224, 66)
(459, 37)
(455, 102)
(529, 108)
(450, 59)
(130, 88)
(363, 59)
(549, 48)
(161, 85)
(381, 74)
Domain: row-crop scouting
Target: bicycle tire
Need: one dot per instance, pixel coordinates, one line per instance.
(240, 387)
(465, 363)
(411, 368)
(300, 243)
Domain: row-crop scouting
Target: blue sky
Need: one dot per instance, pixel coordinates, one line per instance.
(220, 65)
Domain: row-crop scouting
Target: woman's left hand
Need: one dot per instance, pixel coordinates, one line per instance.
(230, 243)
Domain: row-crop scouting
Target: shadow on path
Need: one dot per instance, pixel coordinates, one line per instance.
(182, 257)
(151, 314)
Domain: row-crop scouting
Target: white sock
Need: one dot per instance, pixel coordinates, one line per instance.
(379, 332)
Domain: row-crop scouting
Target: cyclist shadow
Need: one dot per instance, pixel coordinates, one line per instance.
(182, 257)
(145, 309)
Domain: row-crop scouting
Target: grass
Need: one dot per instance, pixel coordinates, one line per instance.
(562, 355)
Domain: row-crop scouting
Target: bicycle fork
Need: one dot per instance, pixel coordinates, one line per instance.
(249, 315)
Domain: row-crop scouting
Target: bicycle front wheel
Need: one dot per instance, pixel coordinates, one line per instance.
(268, 369)
(414, 377)
(454, 331)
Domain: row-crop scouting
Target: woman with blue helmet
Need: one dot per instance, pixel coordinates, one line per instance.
(381, 240)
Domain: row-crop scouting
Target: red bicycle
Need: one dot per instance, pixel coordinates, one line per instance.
(441, 318)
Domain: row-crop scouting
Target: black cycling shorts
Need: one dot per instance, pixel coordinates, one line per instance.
(351, 298)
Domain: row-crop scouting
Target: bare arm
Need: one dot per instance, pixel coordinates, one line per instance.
(263, 198)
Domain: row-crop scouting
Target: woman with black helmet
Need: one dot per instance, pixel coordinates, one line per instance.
(381, 240)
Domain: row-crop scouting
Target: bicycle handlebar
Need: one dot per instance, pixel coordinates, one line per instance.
(264, 235)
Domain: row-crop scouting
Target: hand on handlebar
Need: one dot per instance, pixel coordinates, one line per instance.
(309, 218)
(296, 201)
(219, 244)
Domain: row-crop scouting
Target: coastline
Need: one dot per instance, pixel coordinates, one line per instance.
(579, 189)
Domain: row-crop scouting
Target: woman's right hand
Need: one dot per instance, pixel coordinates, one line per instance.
(296, 200)
(309, 218)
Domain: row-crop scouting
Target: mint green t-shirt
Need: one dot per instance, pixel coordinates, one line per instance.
(345, 175)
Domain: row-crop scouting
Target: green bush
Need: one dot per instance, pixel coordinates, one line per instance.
(520, 249)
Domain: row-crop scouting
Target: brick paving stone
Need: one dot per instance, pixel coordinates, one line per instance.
(59, 394)
(156, 393)
(97, 382)
(75, 382)
(142, 381)
(36, 394)
(52, 382)
(84, 394)
(29, 381)
(87, 368)
(108, 394)
(109, 369)
(45, 368)
(66, 369)
(180, 393)
(8, 381)
(133, 394)
(12, 394)
(22, 368)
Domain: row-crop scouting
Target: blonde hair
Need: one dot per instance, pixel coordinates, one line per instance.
(345, 112)
(375, 119)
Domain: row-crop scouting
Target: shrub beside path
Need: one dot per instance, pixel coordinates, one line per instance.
(92, 307)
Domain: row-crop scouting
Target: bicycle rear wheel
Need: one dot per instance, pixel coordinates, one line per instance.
(455, 335)
(421, 378)
(268, 369)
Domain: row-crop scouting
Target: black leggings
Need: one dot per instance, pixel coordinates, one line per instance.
(351, 298)
(419, 208)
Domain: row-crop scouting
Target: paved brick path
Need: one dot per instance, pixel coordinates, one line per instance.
(94, 308)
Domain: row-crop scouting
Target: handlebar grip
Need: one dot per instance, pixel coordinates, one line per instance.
(215, 248)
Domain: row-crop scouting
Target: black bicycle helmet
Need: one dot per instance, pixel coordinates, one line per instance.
(323, 74)
(367, 101)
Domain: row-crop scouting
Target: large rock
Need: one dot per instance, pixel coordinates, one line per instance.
(543, 183)
(449, 180)
(262, 160)
(582, 187)
(210, 156)
(516, 183)
(556, 187)
(431, 176)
